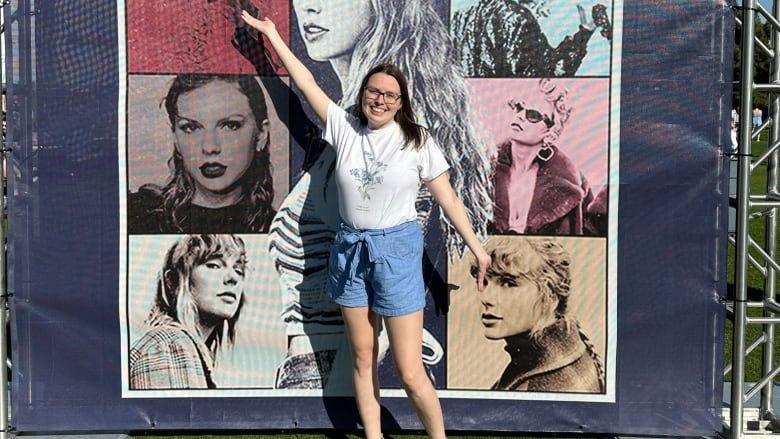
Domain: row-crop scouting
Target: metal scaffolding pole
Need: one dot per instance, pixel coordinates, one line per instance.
(748, 203)
(770, 240)
(742, 236)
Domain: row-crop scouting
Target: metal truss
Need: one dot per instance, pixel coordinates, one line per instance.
(755, 205)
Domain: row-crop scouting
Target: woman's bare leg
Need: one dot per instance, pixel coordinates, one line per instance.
(362, 326)
(405, 334)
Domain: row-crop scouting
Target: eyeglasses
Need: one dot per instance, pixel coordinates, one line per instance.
(531, 115)
(390, 97)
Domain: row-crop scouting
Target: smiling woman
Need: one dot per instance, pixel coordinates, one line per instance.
(374, 267)
(200, 294)
(220, 172)
(411, 35)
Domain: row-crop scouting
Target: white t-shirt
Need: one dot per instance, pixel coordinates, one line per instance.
(377, 180)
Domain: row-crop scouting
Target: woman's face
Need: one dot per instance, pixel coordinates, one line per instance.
(380, 88)
(508, 308)
(217, 285)
(331, 28)
(216, 135)
(532, 116)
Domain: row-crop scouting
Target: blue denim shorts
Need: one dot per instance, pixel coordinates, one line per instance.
(378, 268)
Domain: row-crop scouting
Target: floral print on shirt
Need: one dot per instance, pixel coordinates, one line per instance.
(370, 176)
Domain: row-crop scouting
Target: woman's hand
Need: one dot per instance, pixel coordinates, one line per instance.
(483, 263)
(263, 25)
(299, 73)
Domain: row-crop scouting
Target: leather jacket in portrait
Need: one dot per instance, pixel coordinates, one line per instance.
(560, 359)
(562, 203)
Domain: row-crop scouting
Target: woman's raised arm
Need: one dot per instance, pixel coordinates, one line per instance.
(299, 74)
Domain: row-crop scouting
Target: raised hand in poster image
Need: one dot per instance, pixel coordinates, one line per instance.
(383, 157)
(525, 304)
(200, 294)
(302, 231)
(220, 170)
(538, 189)
(503, 38)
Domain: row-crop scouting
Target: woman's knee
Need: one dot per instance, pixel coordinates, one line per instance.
(364, 356)
(413, 378)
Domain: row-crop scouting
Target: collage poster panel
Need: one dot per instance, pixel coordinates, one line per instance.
(228, 207)
(540, 324)
(259, 334)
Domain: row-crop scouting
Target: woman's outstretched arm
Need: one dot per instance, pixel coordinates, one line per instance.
(442, 192)
(299, 74)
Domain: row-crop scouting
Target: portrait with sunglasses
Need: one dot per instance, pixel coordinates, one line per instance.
(531, 115)
(538, 189)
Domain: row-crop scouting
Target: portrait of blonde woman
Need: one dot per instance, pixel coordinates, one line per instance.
(550, 154)
(197, 318)
(540, 323)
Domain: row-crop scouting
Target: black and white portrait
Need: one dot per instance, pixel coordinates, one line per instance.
(539, 326)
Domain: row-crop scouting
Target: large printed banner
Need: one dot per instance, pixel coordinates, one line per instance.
(209, 188)
(185, 207)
